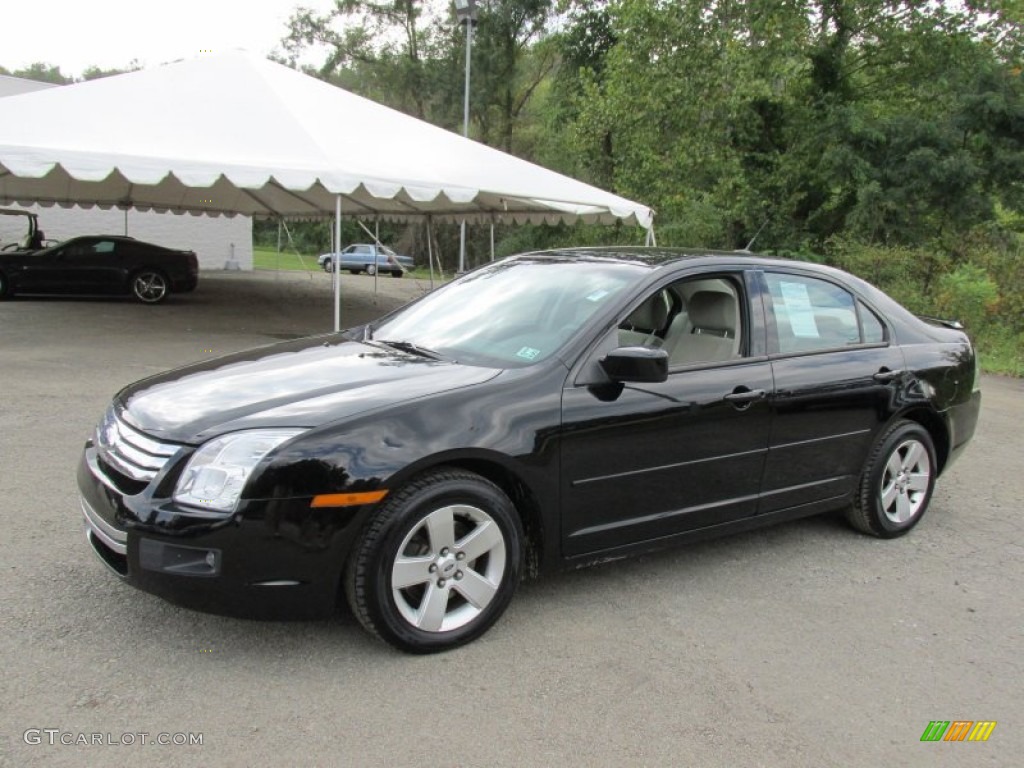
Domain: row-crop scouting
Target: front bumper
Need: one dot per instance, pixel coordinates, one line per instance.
(272, 558)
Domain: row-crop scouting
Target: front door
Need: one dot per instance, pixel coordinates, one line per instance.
(653, 460)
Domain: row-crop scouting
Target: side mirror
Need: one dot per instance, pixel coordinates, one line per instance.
(636, 364)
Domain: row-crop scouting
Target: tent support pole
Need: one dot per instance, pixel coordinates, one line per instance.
(430, 251)
(376, 245)
(126, 222)
(337, 266)
(492, 241)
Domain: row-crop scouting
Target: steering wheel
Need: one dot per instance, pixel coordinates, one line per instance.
(10, 247)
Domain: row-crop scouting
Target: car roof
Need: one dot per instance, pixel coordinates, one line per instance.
(655, 256)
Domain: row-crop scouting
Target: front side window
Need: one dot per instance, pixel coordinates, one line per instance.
(811, 314)
(696, 320)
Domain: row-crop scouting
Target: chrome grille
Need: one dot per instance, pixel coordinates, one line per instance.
(130, 452)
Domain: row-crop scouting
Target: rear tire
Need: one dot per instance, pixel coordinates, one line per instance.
(897, 483)
(5, 288)
(438, 562)
(397, 273)
(149, 286)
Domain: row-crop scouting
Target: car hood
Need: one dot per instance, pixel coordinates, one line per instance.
(305, 383)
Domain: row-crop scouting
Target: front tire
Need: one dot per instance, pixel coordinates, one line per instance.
(371, 269)
(438, 563)
(897, 483)
(149, 286)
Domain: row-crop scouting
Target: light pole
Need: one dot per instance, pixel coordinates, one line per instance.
(465, 13)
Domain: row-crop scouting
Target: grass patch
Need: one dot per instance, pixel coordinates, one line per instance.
(268, 258)
(1001, 352)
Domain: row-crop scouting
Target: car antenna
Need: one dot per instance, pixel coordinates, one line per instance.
(746, 249)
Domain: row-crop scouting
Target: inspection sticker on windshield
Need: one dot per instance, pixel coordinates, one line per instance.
(597, 295)
(528, 353)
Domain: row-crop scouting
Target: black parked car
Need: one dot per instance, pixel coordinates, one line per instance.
(100, 265)
(549, 410)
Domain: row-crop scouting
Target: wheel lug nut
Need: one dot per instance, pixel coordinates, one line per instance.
(433, 568)
(444, 551)
(460, 556)
(440, 582)
(458, 575)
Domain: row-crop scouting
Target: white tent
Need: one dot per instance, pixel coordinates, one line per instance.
(234, 133)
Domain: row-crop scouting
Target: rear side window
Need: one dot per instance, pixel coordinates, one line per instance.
(812, 314)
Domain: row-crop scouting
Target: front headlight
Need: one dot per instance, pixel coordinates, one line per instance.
(216, 473)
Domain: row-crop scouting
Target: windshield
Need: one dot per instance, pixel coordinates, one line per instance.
(511, 314)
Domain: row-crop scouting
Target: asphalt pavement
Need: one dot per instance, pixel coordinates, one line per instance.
(801, 645)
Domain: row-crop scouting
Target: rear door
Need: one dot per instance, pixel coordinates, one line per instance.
(836, 375)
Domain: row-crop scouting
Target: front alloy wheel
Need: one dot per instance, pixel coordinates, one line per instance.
(149, 286)
(897, 482)
(438, 563)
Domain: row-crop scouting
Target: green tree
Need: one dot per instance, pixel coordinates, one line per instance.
(381, 41)
(42, 72)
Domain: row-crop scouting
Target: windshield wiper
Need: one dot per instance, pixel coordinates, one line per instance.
(411, 348)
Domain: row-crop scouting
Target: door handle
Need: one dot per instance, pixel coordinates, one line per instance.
(745, 396)
(884, 376)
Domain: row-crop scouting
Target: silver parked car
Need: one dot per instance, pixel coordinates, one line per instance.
(367, 258)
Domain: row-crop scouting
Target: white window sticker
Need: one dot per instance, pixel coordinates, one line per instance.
(528, 353)
(799, 310)
(597, 295)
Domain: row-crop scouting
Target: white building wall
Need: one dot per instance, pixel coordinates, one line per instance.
(213, 239)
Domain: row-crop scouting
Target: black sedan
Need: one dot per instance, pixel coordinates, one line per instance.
(547, 411)
(100, 265)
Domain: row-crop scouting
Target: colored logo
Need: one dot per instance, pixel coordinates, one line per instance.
(958, 730)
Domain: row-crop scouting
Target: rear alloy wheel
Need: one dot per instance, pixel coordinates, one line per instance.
(897, 483)
(438, 563)
(149, 286)
(371, 269)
